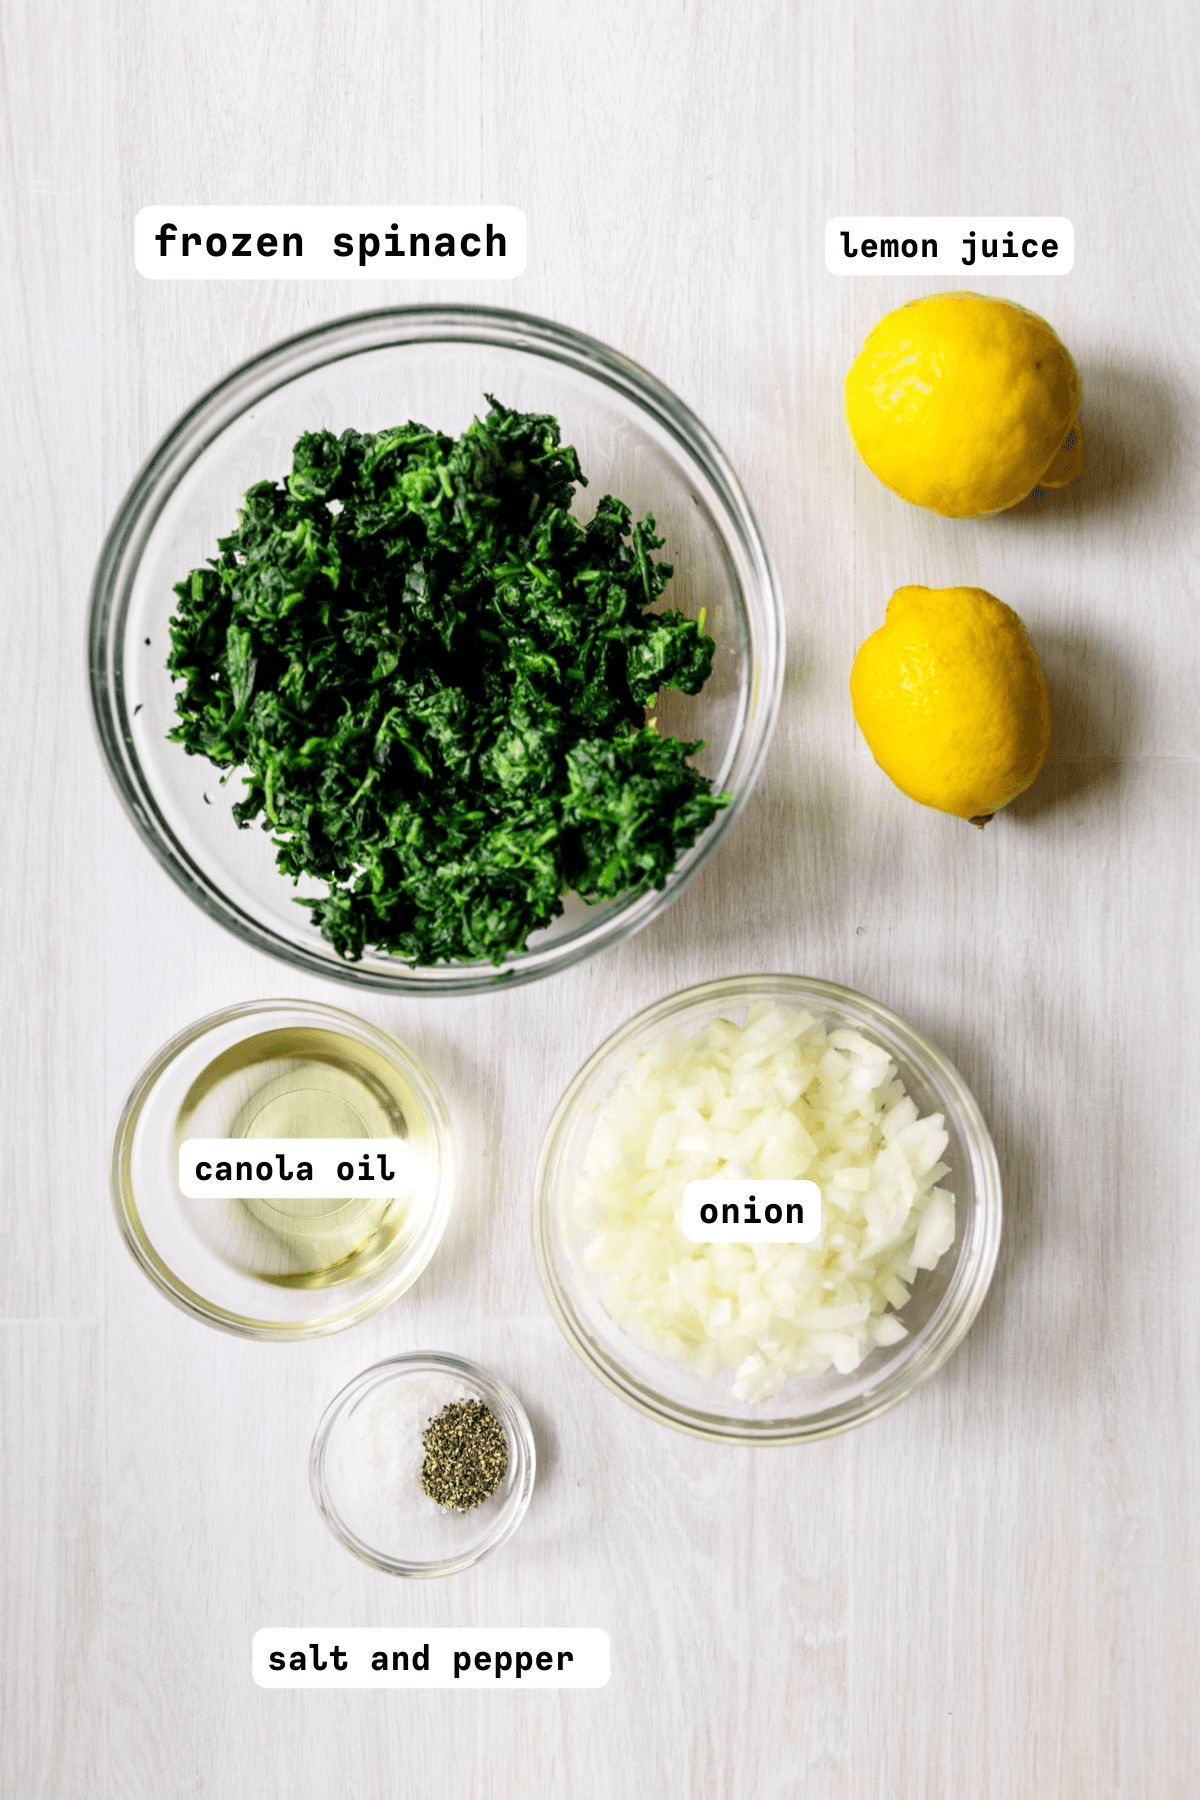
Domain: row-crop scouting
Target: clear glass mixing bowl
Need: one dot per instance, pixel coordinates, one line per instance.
(635, 439)
(944, 1300)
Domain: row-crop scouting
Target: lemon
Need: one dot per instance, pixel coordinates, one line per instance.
(951, 698)
(964, 404)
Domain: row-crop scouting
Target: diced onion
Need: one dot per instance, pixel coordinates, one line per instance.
(779, 1099)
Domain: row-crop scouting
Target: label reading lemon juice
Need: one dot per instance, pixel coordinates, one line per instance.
(942, 247)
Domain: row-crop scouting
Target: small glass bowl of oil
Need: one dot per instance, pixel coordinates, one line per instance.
(311, 1263)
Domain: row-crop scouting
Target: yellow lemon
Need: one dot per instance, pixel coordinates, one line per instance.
(964, 404)
(951, 698)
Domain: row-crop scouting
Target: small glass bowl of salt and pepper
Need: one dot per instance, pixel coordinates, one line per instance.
(423, 1464)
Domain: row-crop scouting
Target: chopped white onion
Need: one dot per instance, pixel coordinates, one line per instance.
(780, 1099)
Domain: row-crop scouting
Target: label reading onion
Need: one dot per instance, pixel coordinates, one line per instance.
(750, 1212)
(780, 1099)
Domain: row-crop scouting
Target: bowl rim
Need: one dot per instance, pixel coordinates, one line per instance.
(950, 1323)
(521, 1447)
(165, 1279)
(273, 368)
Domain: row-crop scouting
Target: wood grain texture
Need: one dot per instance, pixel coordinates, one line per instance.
(992, 1590)
(53, 1689)
(55, 515)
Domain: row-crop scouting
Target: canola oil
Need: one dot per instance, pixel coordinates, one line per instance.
(304, 1082)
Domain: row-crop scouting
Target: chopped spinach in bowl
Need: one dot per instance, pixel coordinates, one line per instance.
(436, 680)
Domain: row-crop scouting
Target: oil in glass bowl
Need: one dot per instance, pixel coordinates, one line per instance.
(303, 1083)
(283, 1268)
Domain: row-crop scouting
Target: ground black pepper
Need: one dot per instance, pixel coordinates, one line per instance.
(466, 1455)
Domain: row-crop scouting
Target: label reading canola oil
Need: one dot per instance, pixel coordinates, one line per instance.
(284, 1168)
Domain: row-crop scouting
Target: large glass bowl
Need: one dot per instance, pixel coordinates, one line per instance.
(434, 364)
(944, 1300)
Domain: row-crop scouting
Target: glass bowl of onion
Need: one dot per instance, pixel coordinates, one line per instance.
(752, 1335)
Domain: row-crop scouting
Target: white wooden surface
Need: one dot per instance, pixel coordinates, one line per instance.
(992, 1591)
